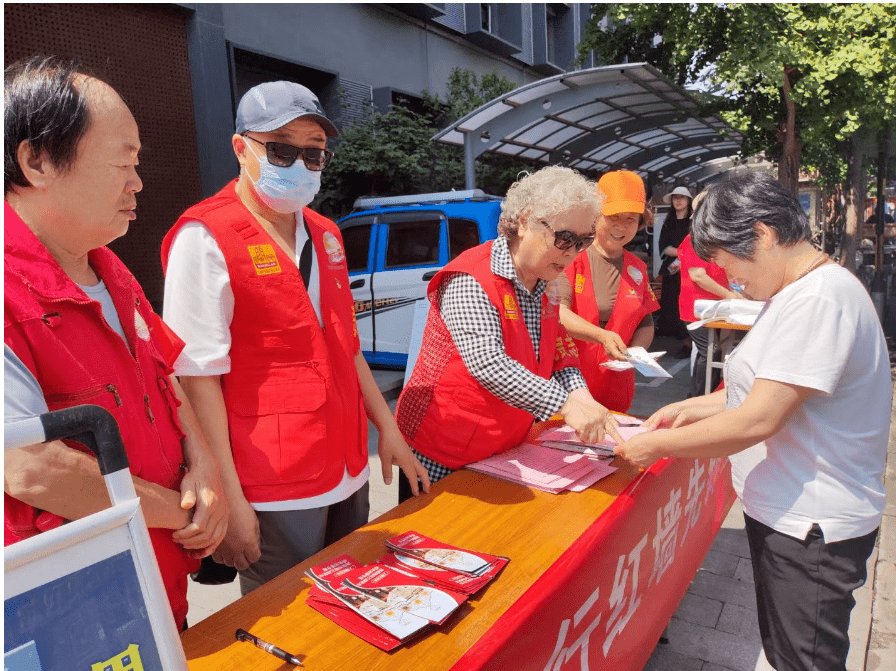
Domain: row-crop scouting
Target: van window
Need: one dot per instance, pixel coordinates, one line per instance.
(463, 234)
(413, 243)
(357, 246)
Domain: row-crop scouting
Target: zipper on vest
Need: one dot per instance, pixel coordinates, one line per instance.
(148, 409)
(114, 391)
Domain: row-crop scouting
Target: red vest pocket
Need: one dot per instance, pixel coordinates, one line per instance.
(285, 388)
(277, 428)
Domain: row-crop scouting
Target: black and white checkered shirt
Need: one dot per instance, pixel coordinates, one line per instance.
(475, 326)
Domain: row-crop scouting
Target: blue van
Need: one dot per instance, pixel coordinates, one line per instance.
(394, 246)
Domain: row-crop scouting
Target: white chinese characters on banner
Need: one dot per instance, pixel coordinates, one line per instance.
(694, 503)
(618, 598)
(626, 594)
(666, 539)
(563, 654)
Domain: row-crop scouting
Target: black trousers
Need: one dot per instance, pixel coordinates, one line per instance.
(668, 322)
(700, 338)
(804, 595)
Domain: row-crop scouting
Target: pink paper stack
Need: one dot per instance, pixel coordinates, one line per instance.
(557, 462)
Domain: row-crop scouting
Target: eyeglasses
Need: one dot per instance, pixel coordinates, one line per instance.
(284, 155)
(564, 240)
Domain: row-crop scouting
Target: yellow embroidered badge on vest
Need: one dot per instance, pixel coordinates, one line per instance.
(510, 309)
(265, 259)
(580, 283)
(561, 350)
(565, 347)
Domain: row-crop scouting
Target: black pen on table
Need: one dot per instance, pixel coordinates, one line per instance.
(243, 635)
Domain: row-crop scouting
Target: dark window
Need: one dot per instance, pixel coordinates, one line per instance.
(413, 243)
(486, 17)
(357, 246)
(462, 235)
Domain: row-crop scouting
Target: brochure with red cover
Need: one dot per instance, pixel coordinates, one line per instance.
(390, 601)
(329, 574)
(434, 575)
(399, 623)
(443, 555)
(330, 607)
(404, 592)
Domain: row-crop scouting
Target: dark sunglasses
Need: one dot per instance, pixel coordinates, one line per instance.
(284, 155)
(564, 240)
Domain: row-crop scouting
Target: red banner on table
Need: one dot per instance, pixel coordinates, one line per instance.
(605, 602)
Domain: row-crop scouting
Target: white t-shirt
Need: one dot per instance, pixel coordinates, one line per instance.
(826, 463)
(198, 306)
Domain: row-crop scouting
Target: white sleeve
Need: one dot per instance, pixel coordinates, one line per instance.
(22, 395)
(810, 345)
(198, 303)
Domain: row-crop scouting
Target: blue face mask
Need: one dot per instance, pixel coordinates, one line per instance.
(285, 190)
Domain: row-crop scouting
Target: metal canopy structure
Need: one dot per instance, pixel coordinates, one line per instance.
(607, 118)
(714, 169)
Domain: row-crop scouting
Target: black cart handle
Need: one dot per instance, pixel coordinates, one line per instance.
(93, 427)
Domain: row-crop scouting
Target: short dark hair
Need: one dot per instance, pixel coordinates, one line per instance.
(43, 106)
(728, 214)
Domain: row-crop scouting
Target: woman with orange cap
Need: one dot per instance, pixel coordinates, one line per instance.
(605, 296)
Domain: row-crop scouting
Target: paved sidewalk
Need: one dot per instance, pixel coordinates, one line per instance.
(714, 628)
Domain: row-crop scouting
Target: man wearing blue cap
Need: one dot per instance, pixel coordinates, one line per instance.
(257, 285)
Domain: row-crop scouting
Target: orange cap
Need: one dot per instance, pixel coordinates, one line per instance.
(624, 191)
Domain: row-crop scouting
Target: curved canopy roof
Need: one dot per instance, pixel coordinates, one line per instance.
(607, 118)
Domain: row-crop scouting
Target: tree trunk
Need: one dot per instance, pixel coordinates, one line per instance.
(789, 165)
(855, 204)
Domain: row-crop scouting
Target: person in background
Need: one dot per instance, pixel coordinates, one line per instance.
(256, 284)
(675, 228)
(494, 356)
(700, 280)
(605, 296)
(78, 329)
(804, 419)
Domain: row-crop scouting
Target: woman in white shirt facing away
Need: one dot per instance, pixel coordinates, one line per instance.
(804, 418)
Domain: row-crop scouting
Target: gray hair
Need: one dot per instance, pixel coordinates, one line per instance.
(545, 194)
(727, 217)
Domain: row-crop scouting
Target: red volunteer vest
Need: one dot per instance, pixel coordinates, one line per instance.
(690, 292)
(76, 357)
(613, 389)
(294, 405)
(443, 412)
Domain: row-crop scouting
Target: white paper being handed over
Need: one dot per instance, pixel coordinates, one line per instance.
(642, 361)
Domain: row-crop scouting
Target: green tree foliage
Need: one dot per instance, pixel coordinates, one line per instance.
(390, 153)
(812, 85)
(833, 65)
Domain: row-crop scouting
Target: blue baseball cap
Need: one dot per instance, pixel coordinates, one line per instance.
(272, 105)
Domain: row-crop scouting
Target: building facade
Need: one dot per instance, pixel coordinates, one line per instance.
(182, 68)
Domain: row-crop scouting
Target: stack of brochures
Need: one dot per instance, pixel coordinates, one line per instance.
(557, 461)
(419, 584)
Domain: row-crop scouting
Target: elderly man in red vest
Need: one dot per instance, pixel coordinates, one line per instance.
(78, 329)
(257, 285)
